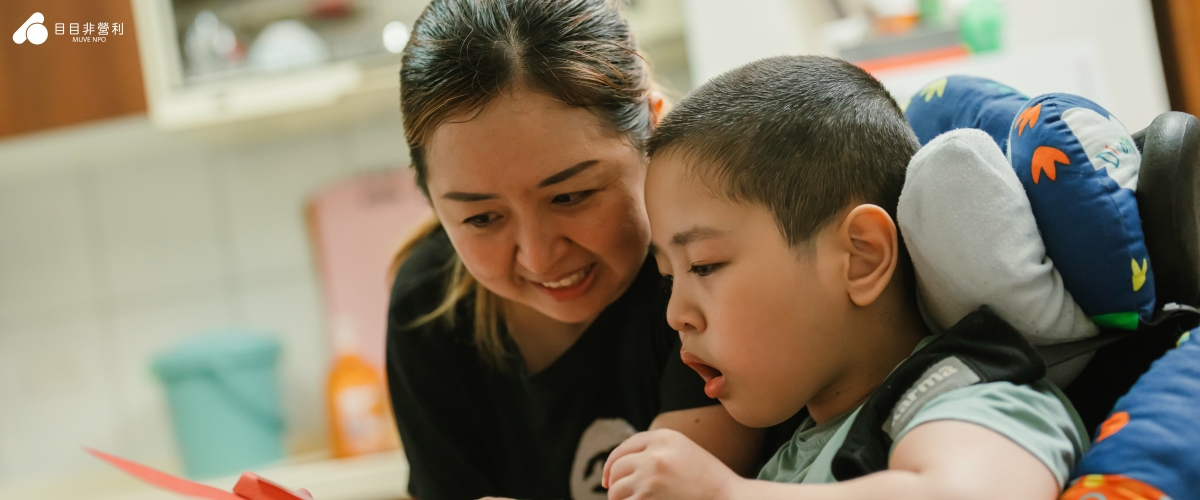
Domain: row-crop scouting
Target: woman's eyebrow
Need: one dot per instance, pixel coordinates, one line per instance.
(549, 181)
(568, 173)
(461, 196)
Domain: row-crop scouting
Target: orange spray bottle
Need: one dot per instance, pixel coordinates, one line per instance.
(360, 416)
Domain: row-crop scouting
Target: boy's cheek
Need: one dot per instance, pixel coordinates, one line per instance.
(761, 381)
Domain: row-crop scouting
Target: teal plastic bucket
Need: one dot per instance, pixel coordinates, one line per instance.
(223, 392)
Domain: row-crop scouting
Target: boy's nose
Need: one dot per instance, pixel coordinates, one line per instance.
(682, 315)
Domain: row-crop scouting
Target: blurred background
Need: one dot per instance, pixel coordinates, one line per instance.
(212, 190)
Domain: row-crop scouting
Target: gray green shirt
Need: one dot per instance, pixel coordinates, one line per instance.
(1038, 417)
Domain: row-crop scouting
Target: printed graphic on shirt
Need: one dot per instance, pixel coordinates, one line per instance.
(944, 376)
(600, 439)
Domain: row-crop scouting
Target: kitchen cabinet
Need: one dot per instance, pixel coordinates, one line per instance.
(1178, 25)
(223, 62)
(67, 79)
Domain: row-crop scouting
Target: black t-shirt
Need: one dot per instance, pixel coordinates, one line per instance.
(471, 429)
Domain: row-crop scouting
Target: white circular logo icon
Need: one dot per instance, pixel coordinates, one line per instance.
(598, 440)
(32, 30)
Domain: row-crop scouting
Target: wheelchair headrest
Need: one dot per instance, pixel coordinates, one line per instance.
(1169, 203)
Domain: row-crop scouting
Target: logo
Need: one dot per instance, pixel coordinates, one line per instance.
(597, 441)
(944, 376)
(32, 30)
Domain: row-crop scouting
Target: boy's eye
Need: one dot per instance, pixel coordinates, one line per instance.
(704, 269)
(568, 199)
(481, 220)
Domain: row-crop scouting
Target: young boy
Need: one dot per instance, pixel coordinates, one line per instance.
(771, 193)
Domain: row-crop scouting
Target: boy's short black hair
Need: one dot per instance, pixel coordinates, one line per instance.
(803, 135)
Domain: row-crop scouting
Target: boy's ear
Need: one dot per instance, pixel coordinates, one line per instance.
(656, 103)
(869, 236)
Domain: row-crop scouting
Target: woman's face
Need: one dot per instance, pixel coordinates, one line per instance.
(543, 203)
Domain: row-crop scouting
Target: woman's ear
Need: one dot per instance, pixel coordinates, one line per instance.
(655, 102)
(869, 236)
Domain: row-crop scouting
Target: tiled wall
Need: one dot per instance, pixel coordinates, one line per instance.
(109, 258)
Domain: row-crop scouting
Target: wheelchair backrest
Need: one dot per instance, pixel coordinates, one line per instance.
(1168, 197)
(1168, 188)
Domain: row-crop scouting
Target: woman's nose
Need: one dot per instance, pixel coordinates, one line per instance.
(540, 247)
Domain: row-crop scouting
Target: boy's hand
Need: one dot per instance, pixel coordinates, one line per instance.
(664, 464)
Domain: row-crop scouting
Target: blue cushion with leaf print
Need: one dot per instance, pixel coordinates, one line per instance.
(1148, 443)
(1079, 167)
(962, 101)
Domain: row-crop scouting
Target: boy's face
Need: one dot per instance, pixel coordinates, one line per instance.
(762, 322)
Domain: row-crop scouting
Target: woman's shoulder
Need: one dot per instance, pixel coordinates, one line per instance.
(645, 301)
(421, 284)
(639, 316)
(429, 256)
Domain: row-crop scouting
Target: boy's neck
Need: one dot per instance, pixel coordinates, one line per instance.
(888, 336)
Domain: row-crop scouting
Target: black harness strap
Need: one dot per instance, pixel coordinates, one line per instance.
(980, 348)
(1179, 317)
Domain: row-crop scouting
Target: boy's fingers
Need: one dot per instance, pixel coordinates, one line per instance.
(624, 481)
(634, 444)
(621, 488)
(624, 467)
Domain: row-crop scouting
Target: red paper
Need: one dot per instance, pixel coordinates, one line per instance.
(163, 480)
(253, 487)
(249, 487)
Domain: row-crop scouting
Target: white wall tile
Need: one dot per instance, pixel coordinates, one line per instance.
(142, 334)
(157, 226)
(293, 313)
(57, 387)
(103, 267)
(376, 144)
(44, 248)
(3, 476)
(264, 190)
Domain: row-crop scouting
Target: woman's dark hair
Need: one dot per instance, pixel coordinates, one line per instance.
(464, 53)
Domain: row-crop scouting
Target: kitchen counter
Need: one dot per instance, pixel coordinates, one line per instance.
(382, 476)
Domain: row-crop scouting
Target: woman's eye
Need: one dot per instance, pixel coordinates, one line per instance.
(481, 220)
(571, 198)
(704, 269)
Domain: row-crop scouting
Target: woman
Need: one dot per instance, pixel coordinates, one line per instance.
(527, 335)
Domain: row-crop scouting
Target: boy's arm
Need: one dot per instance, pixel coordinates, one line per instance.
(944, 459)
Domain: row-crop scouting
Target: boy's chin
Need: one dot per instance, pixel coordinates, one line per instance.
(754, 415)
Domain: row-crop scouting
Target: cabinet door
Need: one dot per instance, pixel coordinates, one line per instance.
(1178, 25)
(68, 78)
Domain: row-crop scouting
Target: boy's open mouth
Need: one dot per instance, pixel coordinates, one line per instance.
(714, 380)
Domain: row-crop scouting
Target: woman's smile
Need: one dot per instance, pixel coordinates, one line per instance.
(572, 286)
